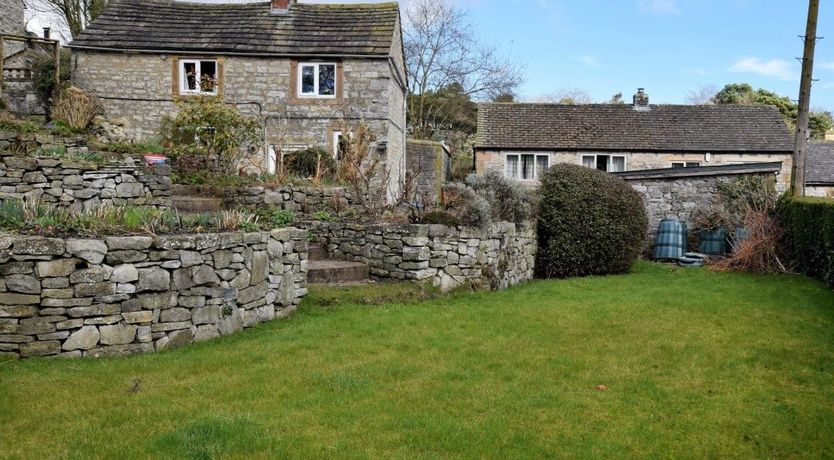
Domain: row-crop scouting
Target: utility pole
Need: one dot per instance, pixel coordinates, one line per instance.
(800, 149)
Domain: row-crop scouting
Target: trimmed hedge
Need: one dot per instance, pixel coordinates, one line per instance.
(590, 223)
(809, 224)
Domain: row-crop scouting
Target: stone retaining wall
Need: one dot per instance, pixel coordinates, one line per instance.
(500, 256)
(303, 200)
(123, 295)
(83, 185)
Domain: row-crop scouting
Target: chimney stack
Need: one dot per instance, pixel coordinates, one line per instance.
(281, 6)
(641, 100)
(46, 31)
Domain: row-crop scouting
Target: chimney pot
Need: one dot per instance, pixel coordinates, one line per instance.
(281, 6)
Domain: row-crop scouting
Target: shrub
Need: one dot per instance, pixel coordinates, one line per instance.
(510, 200)
(61, 129)
(11, 123)
(208, 128)
(589, 223)
(304, 163)
(234, 219)
(439, 217)
(322, 216)
(809, 224)
(75, 107)
(760, 251)
(463, 204)
(281, 218)
(43, 74)
(148, 146)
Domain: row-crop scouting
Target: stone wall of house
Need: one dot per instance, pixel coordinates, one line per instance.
(494, 160)
(300, 199)
(80, 185)
(497, 257)
(11, 22)
(820, 191)
(432, 166)
(679, 198)
(143, 93)
(123, 295)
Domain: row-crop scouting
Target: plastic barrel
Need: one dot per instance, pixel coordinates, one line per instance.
(713, 242)
(670, 243)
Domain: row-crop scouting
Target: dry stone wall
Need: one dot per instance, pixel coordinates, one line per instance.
(303, 200)
(83, 185)
(123, 295)
(500, 256)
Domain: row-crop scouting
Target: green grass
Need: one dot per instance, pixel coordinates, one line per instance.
(697, 364)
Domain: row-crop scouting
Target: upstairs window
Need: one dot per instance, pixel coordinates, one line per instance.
(198, 76)
(317, 80)
(525, 166)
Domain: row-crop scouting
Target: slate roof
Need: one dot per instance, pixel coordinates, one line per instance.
(618, 127)
(244, 28)
(819, 167)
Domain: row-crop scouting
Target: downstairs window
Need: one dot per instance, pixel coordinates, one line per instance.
(523, 166)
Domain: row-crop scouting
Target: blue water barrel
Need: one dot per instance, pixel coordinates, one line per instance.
(670, 242)
(713, 242)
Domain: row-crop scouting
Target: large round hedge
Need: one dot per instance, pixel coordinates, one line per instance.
(590, 223)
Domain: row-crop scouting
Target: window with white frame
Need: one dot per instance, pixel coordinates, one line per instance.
(525, 166)
(610, 163)
(339, 145)
(317, 80)
(685, 164)
(198, 76)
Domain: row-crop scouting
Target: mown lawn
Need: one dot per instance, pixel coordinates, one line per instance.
(696, 364)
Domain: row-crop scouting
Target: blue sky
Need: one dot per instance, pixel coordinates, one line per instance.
(670, 47)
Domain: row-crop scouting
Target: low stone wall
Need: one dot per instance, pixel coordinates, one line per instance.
(123, 295)
(497, 257)
(83, 185)
(303, 200)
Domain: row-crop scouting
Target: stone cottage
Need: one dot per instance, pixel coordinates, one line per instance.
(819, 170)
(17, 91)
(11, 22)
(301, 69)
(522, 140)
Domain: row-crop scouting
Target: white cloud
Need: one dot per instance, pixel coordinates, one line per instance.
(659, 6)
(774, 68)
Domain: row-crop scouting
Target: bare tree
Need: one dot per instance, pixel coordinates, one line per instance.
(569, 96)
(441, 49)
(76, 14)
(703, 95)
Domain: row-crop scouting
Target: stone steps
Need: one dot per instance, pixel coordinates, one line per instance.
(190, 199)
(196, 204)
(321, 270)
(336, 272)
(317, 252)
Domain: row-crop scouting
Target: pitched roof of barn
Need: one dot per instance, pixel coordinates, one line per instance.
(243, 28)
(819, 167)
(619, 127)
